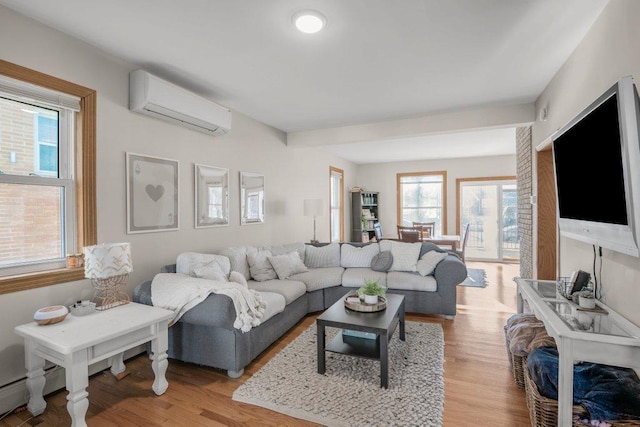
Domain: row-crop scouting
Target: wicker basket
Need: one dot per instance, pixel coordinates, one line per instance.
(517, 363)
(518, 366)
(543, 411)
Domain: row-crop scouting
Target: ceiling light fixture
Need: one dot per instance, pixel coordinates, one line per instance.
(309, 21)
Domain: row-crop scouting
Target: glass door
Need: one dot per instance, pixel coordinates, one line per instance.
(490, 207)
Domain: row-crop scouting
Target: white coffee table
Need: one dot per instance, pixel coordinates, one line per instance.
(78, 341)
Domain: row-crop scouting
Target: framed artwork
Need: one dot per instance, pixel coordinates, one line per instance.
(152, 194)
(212, 196)
(251, 198)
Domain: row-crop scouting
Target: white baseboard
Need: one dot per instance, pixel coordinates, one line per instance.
(15, 394)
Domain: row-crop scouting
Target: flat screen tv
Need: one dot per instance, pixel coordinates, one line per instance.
(597, 171)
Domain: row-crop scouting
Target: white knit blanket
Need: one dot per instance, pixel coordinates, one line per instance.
(180, 292)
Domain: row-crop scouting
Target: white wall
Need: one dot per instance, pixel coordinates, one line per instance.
(382, 178)
(608, 52)
(292, 174)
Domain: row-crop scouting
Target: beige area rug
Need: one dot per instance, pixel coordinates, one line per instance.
(349, 392)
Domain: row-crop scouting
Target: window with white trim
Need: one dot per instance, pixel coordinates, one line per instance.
(422, 198)
(336, 178)
(37, 187)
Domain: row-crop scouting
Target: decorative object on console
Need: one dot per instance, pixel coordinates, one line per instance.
(50, 315)
(152, 194)
(587, 301)
(108, 266)
(314, 208)
(82, 308)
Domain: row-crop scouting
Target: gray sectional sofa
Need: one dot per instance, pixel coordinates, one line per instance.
(425, 274)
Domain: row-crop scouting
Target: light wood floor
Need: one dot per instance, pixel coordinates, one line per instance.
(479, 388)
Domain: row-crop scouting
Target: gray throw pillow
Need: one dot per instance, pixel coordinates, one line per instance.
(382, 261)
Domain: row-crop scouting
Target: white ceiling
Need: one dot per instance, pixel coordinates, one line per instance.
(377, 60)
(492, 142)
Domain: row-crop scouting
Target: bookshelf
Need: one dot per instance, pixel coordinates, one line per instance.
(363, 203)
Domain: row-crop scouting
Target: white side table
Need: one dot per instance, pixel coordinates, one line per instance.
(608, 338)
(78, 341)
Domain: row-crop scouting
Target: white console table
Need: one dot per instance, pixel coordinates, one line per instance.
(580, 335)
(77, 342)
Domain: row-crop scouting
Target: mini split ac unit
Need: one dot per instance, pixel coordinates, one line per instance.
(158, 98)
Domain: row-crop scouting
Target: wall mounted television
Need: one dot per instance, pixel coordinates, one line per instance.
(597, 171)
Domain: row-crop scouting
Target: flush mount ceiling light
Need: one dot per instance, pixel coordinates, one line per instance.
(309, 21)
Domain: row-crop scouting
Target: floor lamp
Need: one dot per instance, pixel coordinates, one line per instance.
(108, 266)
(314, 208)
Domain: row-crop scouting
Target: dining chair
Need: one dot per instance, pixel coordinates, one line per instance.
(427, 229)
(460, 251)
(409, 234)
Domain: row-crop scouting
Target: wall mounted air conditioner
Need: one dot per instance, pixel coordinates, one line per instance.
(158, 98)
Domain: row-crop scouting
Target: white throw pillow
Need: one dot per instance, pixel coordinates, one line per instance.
(358, 257)
(211, 272)
(288, 247)
(259, 265)
(405, 256)
(288, 264)
(322, 256)
(238, 259)
(429, 261)
(188, 262)
(237, 277)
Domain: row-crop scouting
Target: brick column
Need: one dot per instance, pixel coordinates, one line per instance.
(525, 190)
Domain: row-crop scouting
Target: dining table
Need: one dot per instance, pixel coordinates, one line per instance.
(451, 240)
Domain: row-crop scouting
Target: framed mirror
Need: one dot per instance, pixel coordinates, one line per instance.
(212, 196)
(251, 198)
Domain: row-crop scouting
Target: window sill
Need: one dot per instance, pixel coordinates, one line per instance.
(36, 280)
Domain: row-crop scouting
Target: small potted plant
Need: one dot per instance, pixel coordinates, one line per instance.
(587, 299)
(371, 291)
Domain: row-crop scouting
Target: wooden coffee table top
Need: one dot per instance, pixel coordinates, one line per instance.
(340, 316)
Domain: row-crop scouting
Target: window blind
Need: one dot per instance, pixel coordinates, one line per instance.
(26, 92)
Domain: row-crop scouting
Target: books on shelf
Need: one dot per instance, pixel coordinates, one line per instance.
(358, 334)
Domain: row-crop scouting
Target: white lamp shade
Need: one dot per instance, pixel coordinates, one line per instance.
(313, 207)
(107, 260)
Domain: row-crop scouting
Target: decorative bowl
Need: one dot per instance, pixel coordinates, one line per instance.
(50, 315)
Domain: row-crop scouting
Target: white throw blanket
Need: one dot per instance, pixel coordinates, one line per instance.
(180, 292)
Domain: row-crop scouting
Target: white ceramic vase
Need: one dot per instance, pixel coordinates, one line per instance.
(587, 302)
(370, 299)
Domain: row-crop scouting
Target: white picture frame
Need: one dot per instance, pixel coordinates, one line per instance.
(153, 196)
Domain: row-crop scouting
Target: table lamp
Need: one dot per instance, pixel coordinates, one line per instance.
(108, 266)
(314, 208)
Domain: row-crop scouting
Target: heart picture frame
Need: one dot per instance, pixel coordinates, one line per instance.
(152, 194)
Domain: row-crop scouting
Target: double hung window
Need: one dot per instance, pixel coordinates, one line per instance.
(422, 198)
(336, 177)
(47, 177)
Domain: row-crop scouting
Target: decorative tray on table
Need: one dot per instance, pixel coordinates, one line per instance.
(359, 305)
